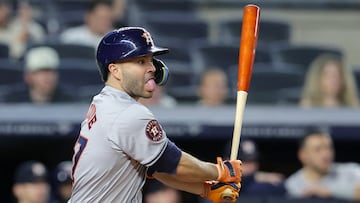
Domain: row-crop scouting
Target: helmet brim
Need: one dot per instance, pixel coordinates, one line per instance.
(158, 50)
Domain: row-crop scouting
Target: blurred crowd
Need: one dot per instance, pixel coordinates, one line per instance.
(33, 183)
(68, 53)
(20, 28)
(328, 83)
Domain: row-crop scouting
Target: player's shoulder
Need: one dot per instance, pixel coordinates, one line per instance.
(133, 117)
(137, 110)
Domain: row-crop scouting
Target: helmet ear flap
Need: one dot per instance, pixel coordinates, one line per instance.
(161, 73)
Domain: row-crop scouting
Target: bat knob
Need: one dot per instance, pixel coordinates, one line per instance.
(227, 195)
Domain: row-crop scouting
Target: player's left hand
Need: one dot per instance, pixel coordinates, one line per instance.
(221, 192)
(229, 170)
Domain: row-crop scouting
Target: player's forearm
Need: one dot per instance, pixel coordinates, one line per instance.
(191, 169)
(173, 182)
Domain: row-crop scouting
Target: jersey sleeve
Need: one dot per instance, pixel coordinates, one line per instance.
(137, 133)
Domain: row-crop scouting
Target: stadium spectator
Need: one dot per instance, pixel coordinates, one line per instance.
(31, 183)
(213, 90)
(5, 11)
(257, 182)
(329, 84)
(320, 176)
(98, 21)
(41, 77)
(21, 30)
(159, 98)
(156, 192)
(63, 182)
(119, 9)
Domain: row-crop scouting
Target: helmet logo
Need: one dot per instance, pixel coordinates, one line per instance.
(148, 38)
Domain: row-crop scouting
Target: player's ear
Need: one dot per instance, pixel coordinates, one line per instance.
(114, 71)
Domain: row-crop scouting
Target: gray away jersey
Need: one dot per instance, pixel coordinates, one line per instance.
(118, 140)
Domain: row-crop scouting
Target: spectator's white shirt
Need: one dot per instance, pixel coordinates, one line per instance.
(80, 35)
(11, 35)
(341, 181)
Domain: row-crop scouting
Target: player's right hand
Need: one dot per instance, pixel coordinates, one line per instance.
(229, 171)
(221, 192)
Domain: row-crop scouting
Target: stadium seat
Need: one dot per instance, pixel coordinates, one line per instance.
(269, 85)
(182, 82)
(143, 9)
(80, 78)
(300, 54)
(71, 5)
(78, 73)
(70, 12)
(87, 92)
(167, 27)
(165, 5)
(68, 51)
(11, 76)
(4, 51)
(68, 19)
(270, 31)
(222, 56)
(10, 72)
(177, 52)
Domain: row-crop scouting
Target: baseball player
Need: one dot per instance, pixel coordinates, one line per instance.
(121, 142)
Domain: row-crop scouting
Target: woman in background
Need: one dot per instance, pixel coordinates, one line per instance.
(329, 84)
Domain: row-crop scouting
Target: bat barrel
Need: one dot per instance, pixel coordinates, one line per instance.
(249, 35)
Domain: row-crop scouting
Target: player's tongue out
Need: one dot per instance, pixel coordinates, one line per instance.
(150, 85)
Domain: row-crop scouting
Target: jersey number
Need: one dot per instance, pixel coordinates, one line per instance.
(78, 149)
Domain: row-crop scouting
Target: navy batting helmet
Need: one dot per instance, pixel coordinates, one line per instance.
(125, 43)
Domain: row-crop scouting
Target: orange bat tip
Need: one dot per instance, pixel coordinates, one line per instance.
(249, 34)
(252, 5)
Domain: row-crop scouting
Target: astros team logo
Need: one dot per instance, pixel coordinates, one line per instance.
(153, 131)
(148, 38)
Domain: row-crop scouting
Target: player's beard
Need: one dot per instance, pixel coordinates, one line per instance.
(135, 86)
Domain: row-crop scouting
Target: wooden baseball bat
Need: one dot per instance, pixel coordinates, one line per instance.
(249, 36)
